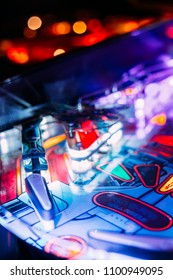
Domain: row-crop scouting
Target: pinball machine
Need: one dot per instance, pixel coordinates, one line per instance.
(86, 152)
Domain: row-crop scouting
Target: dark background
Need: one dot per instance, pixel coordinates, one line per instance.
(14, 15)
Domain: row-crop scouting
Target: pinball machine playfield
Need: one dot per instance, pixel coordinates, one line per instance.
(87, 152)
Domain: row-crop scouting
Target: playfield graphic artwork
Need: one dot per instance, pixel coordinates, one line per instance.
(95, 180)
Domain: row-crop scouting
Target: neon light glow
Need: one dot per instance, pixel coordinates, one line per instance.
(169, 31)
(166, 186)
(166, 140)
(118, 171)
(159, 119)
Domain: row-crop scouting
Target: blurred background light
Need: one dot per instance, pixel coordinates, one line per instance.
(79, 27)
(18, 55)
(62, 28)
(34, 22)
(58, 51)
(33, 31)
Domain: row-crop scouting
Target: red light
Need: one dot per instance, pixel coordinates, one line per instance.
(88, 134)
(41, 53)
(169, 32)
(94, 25)
(18, 55)
(166, 140)
(89, 39)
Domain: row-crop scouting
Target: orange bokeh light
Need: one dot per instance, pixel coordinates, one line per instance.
(34, 22)
(159, 119)
(61, 28)
(18, 55)
(79, 27)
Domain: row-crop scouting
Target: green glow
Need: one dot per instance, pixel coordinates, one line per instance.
(118, 172)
